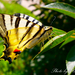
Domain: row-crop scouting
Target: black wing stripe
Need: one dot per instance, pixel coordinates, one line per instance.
(45, 32)
(27, 17)
(42, 34)
(37, 22)
(17, 22)
(23, 15)
(33, 20)
(27, 32)
(17, 14)
(34, 35)
(20, 15)
(3, 17)
(6, 41)
(27, 23)
(7, 35)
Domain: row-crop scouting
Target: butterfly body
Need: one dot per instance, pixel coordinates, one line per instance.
(21, 32)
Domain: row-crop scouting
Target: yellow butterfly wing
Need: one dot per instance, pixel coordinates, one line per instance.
(20, 33)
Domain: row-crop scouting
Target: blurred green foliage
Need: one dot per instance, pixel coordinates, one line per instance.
(51, 60)
(12, 8)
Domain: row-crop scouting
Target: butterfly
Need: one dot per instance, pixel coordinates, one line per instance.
(20, 31)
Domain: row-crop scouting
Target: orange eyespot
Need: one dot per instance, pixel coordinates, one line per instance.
(17, 51)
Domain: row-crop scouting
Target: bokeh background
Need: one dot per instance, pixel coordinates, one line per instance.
(51, 62)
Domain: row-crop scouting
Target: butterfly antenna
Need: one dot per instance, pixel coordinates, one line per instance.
(53, 20)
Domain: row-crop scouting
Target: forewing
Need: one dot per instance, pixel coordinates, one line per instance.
(29, 18)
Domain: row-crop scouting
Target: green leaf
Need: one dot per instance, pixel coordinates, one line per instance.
(54, 41)
(56, 32)
(70, 36)
(62, 8)
(57, 40)
(70, 60)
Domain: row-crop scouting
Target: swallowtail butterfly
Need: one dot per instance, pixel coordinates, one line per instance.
(20, 31)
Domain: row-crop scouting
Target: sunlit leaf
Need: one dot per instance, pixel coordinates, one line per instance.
(70, 60)
(52, 43)
(56, 32)
(70, 36)
(62, 8)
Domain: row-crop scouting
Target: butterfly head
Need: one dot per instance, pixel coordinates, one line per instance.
(10, 53)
